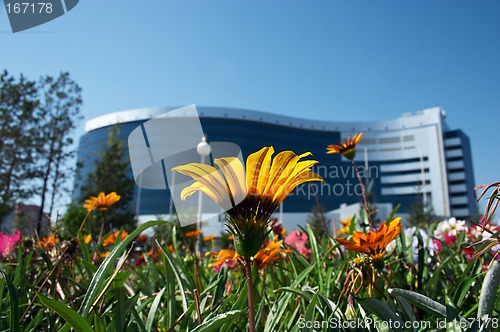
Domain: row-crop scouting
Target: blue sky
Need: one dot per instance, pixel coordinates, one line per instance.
(329, 60)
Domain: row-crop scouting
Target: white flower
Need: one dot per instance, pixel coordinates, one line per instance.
(411, 238)
(450, 227)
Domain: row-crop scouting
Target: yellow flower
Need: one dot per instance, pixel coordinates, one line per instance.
(193, 234)
(250, 199)
(101, 202)
(347, 149)
(373, 243)
(104, 254)
(87, 238)
(48, 242)
(111, 238)
(347, 226)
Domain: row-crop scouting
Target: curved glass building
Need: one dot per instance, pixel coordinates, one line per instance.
(415, 155)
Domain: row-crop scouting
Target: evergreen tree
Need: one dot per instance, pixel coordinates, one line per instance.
(421, 214)
(111, 173)
(317, 220)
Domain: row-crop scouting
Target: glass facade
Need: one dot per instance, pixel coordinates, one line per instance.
(385, 176)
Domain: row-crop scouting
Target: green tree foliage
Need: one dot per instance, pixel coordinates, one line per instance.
(111, 173)
(60, 107)
(318, 221)
(69, 224)
(20, 140)
(421, 214)
(36, 123)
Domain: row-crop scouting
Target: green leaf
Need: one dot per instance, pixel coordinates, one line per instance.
(309, 317)
(153, 309)
(71, 316)
(406, 309)
(14, 304)
(216, 322)
(489, 290)
(170, 261)
(221, 285)
(316, 256)
(380, 309)
(420, 301)
(461, 292)
(393, 213)
(99, 280)
(240, 304)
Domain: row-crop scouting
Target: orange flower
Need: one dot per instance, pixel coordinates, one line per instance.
(101, 202)
(225, 256)
(142, 238)
(373, 243)
(272, 252)
(151, 253)
(193, 234)
(111, 238)
(209, 238)
(48, 242)
(347, 149)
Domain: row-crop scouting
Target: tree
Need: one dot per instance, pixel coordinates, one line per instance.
(421, 213)
(60, 108)
(111, 173)
(20, 140)
(36, 123)
(317, 220)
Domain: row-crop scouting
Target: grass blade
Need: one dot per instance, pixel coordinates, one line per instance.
(98, 281)
(71, 316)
(14, 304)
(153, 309)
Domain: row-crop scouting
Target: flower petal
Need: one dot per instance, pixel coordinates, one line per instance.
(257, 170)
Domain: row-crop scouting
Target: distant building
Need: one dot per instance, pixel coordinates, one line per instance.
(414, 155)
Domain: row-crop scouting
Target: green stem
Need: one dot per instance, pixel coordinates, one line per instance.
(251, 305)
(365, 200)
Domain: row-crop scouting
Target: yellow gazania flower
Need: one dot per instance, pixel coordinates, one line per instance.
(272, 252)
(347, 226)
(111, 238)
(251, 198)
(48, 242)
(87, 238)
(101, 202)
(193, 234)
(104, 254)
(373, 243)
(347, 149)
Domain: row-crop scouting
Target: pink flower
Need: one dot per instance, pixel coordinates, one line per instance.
(438, 245)
(450, 239)
(7, 242)
(298, 241)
